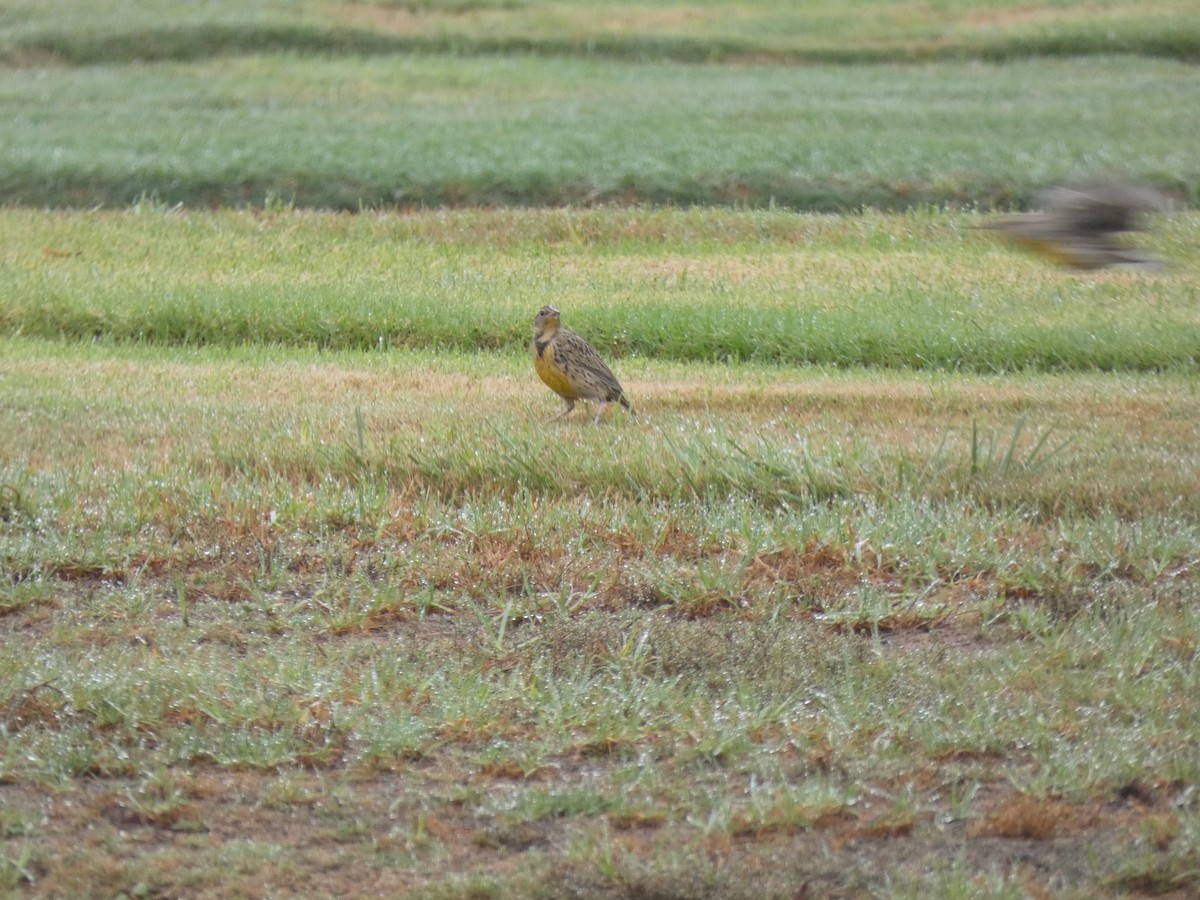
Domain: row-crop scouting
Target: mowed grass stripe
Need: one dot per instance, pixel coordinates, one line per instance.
(920, 290)
(698, 32)
(427, 130)
(453, 424)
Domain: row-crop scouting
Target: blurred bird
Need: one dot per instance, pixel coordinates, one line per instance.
(571, 367)
(1078, 225)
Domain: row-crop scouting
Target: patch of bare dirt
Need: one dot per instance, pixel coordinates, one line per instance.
(210, 833)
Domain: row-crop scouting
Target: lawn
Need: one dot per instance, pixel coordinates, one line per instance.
(918, 290)
(701, 31)
(889, 590)
(293, 615)
(354, 105)
(420, 131)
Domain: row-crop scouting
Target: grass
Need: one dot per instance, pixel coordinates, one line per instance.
(693, 32)
(349, 620)
(420, 131)
(889, 591)
(345, 106)
(922, 290)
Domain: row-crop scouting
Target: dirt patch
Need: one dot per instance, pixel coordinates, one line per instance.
(349, 837)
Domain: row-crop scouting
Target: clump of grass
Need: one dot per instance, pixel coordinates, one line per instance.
(990, 455)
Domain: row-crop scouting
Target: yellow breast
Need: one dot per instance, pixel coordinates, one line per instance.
(552, 375)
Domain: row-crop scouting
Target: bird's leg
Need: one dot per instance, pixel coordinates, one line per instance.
(603, 403)
(570, 406)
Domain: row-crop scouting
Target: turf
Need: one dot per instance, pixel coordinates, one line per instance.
(697, 32)
(889, 590)
(921, 290)
(429, 131)
(312, 105)
(283, 618)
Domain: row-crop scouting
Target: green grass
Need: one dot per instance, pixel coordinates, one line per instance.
(890, 590)
(351, 105)
(428, 130)
(701, 31)
(922, 290)
(280, 619)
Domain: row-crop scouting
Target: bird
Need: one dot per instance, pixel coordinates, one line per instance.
(571, 367)
(1077, 225)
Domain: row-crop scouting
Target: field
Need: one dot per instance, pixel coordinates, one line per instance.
(889, 590)
(467, 103)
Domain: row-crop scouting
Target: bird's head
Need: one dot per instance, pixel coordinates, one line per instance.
(546, 322)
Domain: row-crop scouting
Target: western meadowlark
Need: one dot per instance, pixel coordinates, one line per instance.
(571, 367)
(1077, 225)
